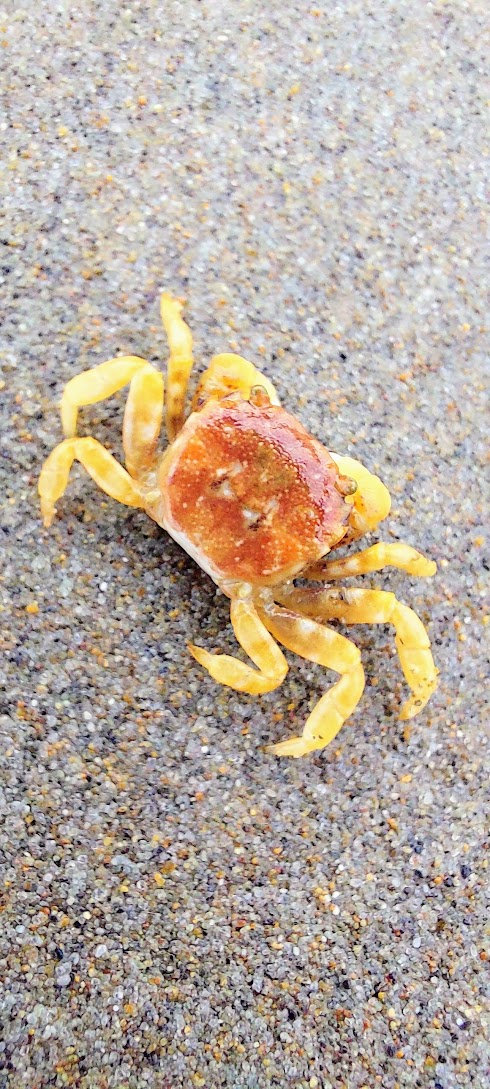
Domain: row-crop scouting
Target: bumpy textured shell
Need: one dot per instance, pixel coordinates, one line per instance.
(252, 492)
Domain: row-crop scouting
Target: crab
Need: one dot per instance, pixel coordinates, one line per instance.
(257, 502)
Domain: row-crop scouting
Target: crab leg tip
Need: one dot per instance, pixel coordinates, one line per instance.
(417, 702)
(197, 652)
(293, 746)
(47, 513)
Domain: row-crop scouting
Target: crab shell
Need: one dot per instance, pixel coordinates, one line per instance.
(249, 494)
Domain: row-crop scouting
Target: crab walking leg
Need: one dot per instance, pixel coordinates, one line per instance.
(143, 420)
(371, 502)
(103, 468)
(374, 559)
(260, 647)
(325, 646)
(359, 606)
(180, 362)
(95, 385)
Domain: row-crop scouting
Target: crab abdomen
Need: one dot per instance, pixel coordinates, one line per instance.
(250, 494)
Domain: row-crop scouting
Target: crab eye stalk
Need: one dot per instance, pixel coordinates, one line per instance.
(345, 485)
(259, 397)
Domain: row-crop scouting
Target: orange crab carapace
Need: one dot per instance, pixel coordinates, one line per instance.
(257, 502)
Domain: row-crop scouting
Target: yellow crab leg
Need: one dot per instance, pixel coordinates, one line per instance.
(180, 362)
(319, 644)
(95, 385)
(370, 503)
(103, 468)
(143, 420)
(374, 559)
(359, 606)
(257, 643)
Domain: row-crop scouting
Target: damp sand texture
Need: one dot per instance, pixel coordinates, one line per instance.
(179, 908)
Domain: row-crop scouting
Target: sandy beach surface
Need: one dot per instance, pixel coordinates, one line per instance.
(178, 907)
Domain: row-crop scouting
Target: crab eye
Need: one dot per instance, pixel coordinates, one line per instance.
(259, 396)
(345, 485)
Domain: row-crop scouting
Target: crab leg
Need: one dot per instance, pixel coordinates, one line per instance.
(180, 362)
(103, 468)
(374, 559)
(95, 385)
(257, 643)
(143, 420)
(318, 643)
(359, 606)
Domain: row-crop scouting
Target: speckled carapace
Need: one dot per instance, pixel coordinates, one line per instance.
(247, 485)
(257, 502)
